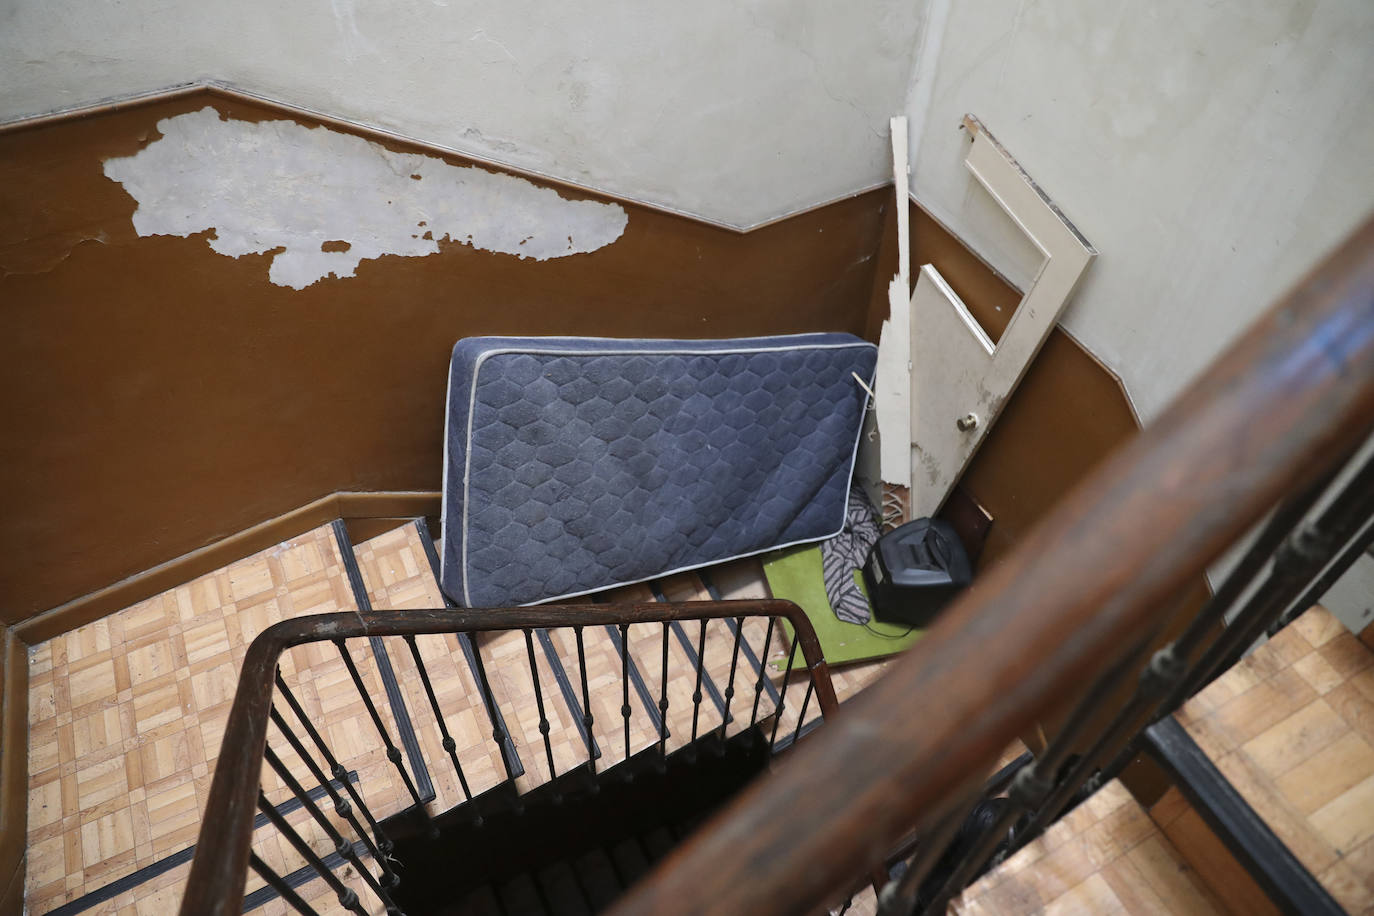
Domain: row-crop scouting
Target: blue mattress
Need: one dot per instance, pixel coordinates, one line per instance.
(578, 464)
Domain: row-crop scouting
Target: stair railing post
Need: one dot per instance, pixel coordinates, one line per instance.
(539, 703)
(730, 682)
(348, 899)
(587, 717)
(393, 753)
(449, 745)
(342, 847)
(341, 806)
(340, 774)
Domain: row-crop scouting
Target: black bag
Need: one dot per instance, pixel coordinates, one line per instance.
(914, 571)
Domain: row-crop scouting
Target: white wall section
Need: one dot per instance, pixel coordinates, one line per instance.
(1213, 152)
(736, 111)
(323, 201)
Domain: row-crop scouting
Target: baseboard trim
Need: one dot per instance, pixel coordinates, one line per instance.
(14, 769)
(348, 506)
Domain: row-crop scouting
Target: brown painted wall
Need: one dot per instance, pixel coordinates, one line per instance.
(159, 396)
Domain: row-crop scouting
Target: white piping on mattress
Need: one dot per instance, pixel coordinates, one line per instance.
(443, 503)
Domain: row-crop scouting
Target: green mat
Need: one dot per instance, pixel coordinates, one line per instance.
(795, 575)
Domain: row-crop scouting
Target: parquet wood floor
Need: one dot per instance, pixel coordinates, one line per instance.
(126, 717)
(126, 714)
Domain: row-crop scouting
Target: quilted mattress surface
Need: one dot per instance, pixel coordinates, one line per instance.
(578, 464)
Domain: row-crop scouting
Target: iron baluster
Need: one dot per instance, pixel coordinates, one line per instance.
(625, 689)
(1323, 583)
(344, 809)
(448, 743)
(1300, 559)
(935, 839)
(1034, 781)
(498, 734)
(565, 687)
(341, 846)
(646, 698)
(1285, 518)
(696, 694)
(693, 657)
(347, 898)
(782, 694)
(730, 682)
(1167, 680)
(393, 753)
(763, 669)
(806, 701)
(386, 674)
(587, 718)
(663, 701)
(539, 702)
(1301, 556)
(335, 768)
(899, 896)
(735, 624)
(278, 884)
(468, 645)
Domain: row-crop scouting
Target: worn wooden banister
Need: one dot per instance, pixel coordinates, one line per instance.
(1284, 403)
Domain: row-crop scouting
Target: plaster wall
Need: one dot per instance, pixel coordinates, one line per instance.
(1211, 153)
(735, 112)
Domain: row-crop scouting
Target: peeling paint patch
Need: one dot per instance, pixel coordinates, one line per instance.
(321, 201)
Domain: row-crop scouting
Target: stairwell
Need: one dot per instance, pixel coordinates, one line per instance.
(127, 715)
(118, 776)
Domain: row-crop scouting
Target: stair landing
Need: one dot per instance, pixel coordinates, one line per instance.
(1105, 856)
(126, 714)
(1292, 728)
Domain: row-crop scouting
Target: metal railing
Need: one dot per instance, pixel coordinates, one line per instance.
(223, 852)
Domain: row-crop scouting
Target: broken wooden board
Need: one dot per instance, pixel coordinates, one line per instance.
(892, 404)
(960, 379)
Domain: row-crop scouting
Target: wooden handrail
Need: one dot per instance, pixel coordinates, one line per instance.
(1283, 404)
(219, 870)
